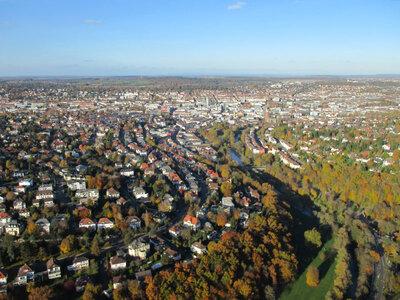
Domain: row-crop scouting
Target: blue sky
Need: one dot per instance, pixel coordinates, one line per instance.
(199, 37)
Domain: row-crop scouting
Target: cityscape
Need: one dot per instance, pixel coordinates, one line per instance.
(107, 190)
(199, 150)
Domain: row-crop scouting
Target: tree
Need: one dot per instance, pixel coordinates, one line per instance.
(32, 228)
(92, 292)
(63, 164)
(147, 218)
(222, 219)
(226, 188)
(10, 196)
(41, 293)
(313, 237)
(95, 248)
(313, 276)
(68, 244)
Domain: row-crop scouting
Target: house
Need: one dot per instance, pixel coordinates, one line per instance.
(227, 202)
(26, 182)
(118, 281)
(3, 277)
(24, 213)
(36, 202)
(87, 194)
(133, 222)
(79, 263)
(44, 225)
(117, 263)
(20, 189)
(5, 218)
(175, 231)
(48, 202)
(156, 241)
(76, 185)
(87, 223)
(127, 172)
(45, 187)
(112, 193)
(122, 201)
(191, 222)
(53, 270)
(44, 194)
(13, 228)
(105, 223)
(139, 248)
(142, 275)
(198, 248)
(174, 255)
(139, 193)
(19, 204)
(25, 274)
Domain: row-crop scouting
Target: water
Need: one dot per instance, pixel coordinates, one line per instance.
(235, 157)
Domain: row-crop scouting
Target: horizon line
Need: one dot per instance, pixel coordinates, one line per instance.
(386, 75)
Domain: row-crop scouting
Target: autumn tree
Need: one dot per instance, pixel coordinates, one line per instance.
(91, 292)
(95, 249)
(41, 293)
(68, 244)
(222, 219)
(226, 188)
(313, 237)
(312, 276)
(147, 218)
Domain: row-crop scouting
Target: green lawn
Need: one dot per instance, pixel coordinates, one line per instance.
(300, 290)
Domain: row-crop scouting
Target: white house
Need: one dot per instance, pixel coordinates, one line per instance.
(87, 223)
(79, 263)
(117, 263)
(139, 248)
(25, 274)
(198, 248)
(139, 193)
(105, 223)
(53, 270)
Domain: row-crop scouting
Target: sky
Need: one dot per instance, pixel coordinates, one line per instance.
(199, 37)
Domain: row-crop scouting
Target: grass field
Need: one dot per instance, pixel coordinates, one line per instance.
(299, 289)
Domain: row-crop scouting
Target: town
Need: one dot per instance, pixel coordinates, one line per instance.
(104, 186)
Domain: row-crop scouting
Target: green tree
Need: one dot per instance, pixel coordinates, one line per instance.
(314, 237)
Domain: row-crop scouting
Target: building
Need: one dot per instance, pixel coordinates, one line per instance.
(44, 225)
(13, 228)
(198, 248)
(117, 263)
(25, 275)
(3, 277)
(133, 222)
(139, 193)
(112, 193)
(53, 270)
(175, 231)
(5, 218)
(127, 172)
(85, 195)
(139, 248)
(79, 263)
(105, 223)
(191, 222)
(87, 223)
